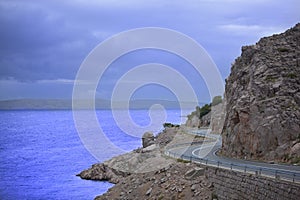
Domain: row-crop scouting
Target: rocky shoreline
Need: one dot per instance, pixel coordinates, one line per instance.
(261, 115)
(146, 173)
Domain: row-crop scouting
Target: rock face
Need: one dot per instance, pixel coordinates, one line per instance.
(217, 117)
(263, 100)
(214, 119)
(193, 122)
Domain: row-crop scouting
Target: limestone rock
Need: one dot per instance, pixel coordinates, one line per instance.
(217, 117)
(149, 191)
(147, 139)
(214, 119)
(194, 173)
(149, 148)
(101, 172)
(194, 121)
(263, 100)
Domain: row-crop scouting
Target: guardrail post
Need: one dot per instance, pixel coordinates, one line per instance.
(259, 171)
(231, 166)
(276, 175)
(293, 177)
(245, 169)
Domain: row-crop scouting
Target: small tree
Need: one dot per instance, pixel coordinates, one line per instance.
(205, 109)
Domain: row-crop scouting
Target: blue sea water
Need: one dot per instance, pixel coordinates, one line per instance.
(41, 152)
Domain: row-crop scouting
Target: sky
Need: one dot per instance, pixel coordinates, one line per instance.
(43, 43)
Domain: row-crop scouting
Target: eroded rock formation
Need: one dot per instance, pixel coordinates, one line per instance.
(263, 100)
(214, 119)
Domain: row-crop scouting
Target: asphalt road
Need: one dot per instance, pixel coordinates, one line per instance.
(205, 153)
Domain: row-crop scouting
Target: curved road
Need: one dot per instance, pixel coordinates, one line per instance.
(206, 154)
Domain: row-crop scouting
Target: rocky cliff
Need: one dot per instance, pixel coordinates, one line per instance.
(263, 100)
(213, 119)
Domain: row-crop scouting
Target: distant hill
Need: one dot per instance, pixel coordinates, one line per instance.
(66, 104)
(35, 104)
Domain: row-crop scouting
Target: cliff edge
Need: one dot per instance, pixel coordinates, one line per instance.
(263, 101)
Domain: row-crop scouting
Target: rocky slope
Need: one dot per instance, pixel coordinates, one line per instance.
(263, 100)
(146, 173)
(172, 182)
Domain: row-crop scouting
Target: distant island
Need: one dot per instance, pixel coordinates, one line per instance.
(66, 104)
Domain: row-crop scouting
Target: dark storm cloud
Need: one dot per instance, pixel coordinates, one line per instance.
(39, 43)
(48, 39)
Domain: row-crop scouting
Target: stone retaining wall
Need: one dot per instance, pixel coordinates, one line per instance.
(237, 185)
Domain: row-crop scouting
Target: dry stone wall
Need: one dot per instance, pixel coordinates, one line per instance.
(237, 185)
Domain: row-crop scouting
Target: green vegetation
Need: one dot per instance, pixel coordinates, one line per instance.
(201, 111)
(205, 109)
(293, 159)
(170, 125)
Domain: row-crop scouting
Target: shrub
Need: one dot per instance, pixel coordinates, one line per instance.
(169, 125)
(205, 109)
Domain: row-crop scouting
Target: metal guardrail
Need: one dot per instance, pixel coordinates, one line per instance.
(190, 143)
(257, 170)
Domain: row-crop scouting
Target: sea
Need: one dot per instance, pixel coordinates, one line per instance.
(41, 152)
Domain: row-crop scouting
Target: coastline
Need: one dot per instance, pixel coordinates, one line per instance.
(147, 173)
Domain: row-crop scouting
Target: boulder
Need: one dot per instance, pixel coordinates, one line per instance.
(147, 139)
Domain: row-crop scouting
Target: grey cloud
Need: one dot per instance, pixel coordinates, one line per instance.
(48, 40)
